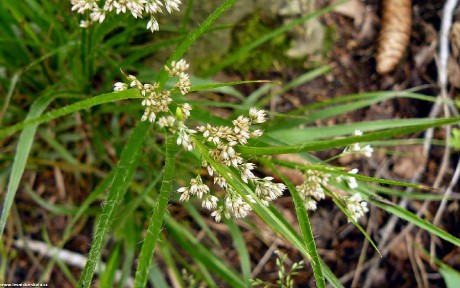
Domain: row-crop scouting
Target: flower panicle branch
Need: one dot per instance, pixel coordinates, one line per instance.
(312, 191)
(138, 9)
(357, 148)
(220, 140)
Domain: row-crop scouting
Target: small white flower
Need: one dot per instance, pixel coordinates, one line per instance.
(313, 185)
(153, 24)
(85, 24)
(217, 215)
(209, 202)
(186, 108)
(166, 121)
(183, 137)
(185, 194)
(310, 204)
(184, 83)
(97, 15)
(198, 188)
(177, 67)
(357, 148)
(367, 151)
(120, 86)
(153, 6)
(258, 116)
(352, 183)
(172, 5)
(356, 206)
(236, 204)
(267, 190)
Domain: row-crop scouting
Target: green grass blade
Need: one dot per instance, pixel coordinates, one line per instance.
(417, 221)
(201, 254)
(226, 84)
(304, 78)
(107, 277)
(118, 186)
(85, 104)
(337, 106)
(305, 227)
(192, 211)
(241, 249)
(302, 135)
(328, 144)
(156, 220)
(22, 153)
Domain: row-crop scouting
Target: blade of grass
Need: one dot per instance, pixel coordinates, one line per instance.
(85, 104)
(156, 220)
(202, 254)
(412, 218)
(202, 223)
(226, 84)
(22, 153)
(117, 187)
(304, 223)
(241, 249)
(107, 278)
(304, 78)
(249, 151)
(302, 135)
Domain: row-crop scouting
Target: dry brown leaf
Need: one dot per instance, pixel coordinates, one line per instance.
(408, 164)
(455, 39)
(453, 72)
(394, 34)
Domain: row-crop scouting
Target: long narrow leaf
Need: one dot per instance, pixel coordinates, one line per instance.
(156, 220)
(305, 227)
(414, 219)
(81, 105)
(120, 182)
(22, 153)
(328, 144)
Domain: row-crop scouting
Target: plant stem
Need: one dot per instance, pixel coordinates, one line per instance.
(156, 221)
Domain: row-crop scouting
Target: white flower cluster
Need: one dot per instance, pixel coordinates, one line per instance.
(137, 8)
(311, 190)
(157, 101)
(351, 181)
(356, 206)
(222, 140)
(356, 148)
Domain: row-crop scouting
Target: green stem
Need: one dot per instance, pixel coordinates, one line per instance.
(116, 189)
(304, 223)
(156, 221)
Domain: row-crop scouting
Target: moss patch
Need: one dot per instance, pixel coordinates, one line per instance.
(262, 58)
